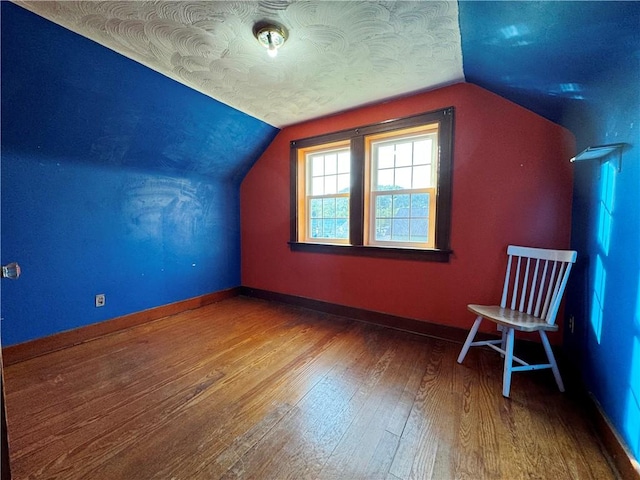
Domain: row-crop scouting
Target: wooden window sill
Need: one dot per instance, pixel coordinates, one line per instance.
(427, 255)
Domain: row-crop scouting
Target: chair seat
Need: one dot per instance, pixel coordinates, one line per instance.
(512, 318)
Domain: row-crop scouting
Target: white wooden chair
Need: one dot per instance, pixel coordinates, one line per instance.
(530, 300)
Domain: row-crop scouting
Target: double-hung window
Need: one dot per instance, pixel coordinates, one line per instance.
(327, 184)
(402, 188)
(380, 190)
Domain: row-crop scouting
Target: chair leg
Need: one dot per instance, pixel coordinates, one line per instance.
(552, 360)
(470, 337)
(508, 363)
(503, 345)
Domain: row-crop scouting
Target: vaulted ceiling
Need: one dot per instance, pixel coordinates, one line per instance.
(344, 54)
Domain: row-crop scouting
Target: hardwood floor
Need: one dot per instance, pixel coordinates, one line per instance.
(251, 389)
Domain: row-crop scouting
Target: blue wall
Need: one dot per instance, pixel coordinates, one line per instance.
(115, 180)
(606, 232)
(605, 296)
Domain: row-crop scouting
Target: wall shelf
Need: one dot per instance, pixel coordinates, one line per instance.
(599, 152)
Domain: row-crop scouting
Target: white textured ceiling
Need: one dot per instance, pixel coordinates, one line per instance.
(339, 54)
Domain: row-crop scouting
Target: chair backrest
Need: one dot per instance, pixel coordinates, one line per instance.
(536, 284)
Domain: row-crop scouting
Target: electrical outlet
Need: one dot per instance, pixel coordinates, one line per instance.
(100, 300)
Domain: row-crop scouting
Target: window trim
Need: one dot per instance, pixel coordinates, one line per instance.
(445, 119)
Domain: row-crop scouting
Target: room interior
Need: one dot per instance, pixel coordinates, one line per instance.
(146, 157)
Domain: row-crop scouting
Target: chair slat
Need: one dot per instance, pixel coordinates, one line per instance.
(541, 289)
(516, 282)
(555, 300)
(525, 285)
(505, 288)
(547, 299)
(534, 286)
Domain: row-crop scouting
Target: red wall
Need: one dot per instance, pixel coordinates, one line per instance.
(512, 183)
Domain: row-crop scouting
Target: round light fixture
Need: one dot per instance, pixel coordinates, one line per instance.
(270, 36)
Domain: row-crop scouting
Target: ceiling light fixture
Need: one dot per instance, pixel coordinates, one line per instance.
(270, 36)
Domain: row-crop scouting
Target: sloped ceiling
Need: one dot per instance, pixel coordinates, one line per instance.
(338, 55)
(343, 54)
(546, 56)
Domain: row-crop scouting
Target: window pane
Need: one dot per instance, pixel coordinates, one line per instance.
(328, 207)
(317, 186)
(342, 207)
(404, 154)
(385, 156)
(344, 183)
(420, 205)
(330, 184)
(317, 165)
(328, 228)
(422, 176)
(403, 177)
(419, 227)
(400, 227)
(330, 164)
(422, 152)
(342, 228)
(316, 228)
(385, 180)
(401, 206)
(383, 229)
(316, 207)
(383, 206)
(344, 162)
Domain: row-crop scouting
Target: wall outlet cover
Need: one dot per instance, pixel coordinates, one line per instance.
(100, 300)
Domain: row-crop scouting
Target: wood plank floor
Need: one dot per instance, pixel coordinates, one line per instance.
(251, 389)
